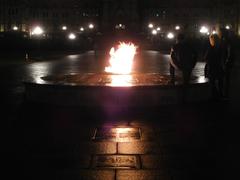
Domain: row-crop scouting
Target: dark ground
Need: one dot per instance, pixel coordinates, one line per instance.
(194, 141)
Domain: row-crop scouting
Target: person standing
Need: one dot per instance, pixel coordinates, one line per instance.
(183, 58)
(213, 67)
(227, 58)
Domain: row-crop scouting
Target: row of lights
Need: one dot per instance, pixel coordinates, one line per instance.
(155, 31)
(90, 26)
(170, 35)
(38, 31)
(151, 26)
(205, 30)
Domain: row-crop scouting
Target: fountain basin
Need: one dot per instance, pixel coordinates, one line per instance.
(112, 90)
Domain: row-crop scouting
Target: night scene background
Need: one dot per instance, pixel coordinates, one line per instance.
(58, 124)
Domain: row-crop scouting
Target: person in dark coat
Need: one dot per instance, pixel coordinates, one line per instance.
(213, 67)
(183, 58)
(227, 58)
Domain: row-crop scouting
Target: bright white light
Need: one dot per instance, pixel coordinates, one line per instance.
(214, 32)
(154, 32)
(170, 35)
(150, 25)
(204, 30)
(64, 28)
(158, 29)
(120, 25)
(72, 36)
(37, 31)
(15, 28)
(227, 27)
(91, 26)
(81, 29)
(177, 27)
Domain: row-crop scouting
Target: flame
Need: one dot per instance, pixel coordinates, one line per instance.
(123, 80)
(121, 60)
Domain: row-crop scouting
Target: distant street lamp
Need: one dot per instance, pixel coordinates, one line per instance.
(154, 32)
(177, 28)
(81, 29)
(15, 28)
(71, 36)
(158, 29)
(150, 25)
(170, 35)
(64, 28)
(91, 26)
(227, 27)
(37, 31)
(204, 30)
(214, 32)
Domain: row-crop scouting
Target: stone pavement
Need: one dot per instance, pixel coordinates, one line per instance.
(173, 143)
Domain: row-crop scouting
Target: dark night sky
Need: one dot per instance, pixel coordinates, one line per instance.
(144, 3)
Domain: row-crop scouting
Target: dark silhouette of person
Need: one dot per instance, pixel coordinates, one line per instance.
(213, 67)
(227, 58)
(183, 58)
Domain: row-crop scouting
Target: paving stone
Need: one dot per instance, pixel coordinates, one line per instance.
(142, 147)
(117, 134)
(97, 174)
(86, 175)
(141, 175)
(116, 161)
(97, 148)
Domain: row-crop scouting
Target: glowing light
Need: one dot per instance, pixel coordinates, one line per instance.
(124, 134)
(37, 31)
(214, 32)
(121, 60)
(227, 27)
(170, 35)
(82, 29)
(15, 28)
(72, 36)
(150, 25)
(64, 28)
(120, 25)
(177, 28)
(204, 30)
(154, 31)
(91, 26)
(121, 80)
(123, 130)
(158, 29)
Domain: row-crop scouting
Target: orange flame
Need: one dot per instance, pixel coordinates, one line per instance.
(121, 60)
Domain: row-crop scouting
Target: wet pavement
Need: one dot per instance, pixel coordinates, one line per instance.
(193, 141)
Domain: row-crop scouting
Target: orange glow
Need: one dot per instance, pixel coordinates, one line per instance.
(121, 59)
(123, 134)
(124, 80)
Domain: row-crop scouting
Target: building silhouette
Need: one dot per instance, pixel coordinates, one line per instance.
(109, 15)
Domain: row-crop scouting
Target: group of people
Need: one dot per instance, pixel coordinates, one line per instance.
(219, 58)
